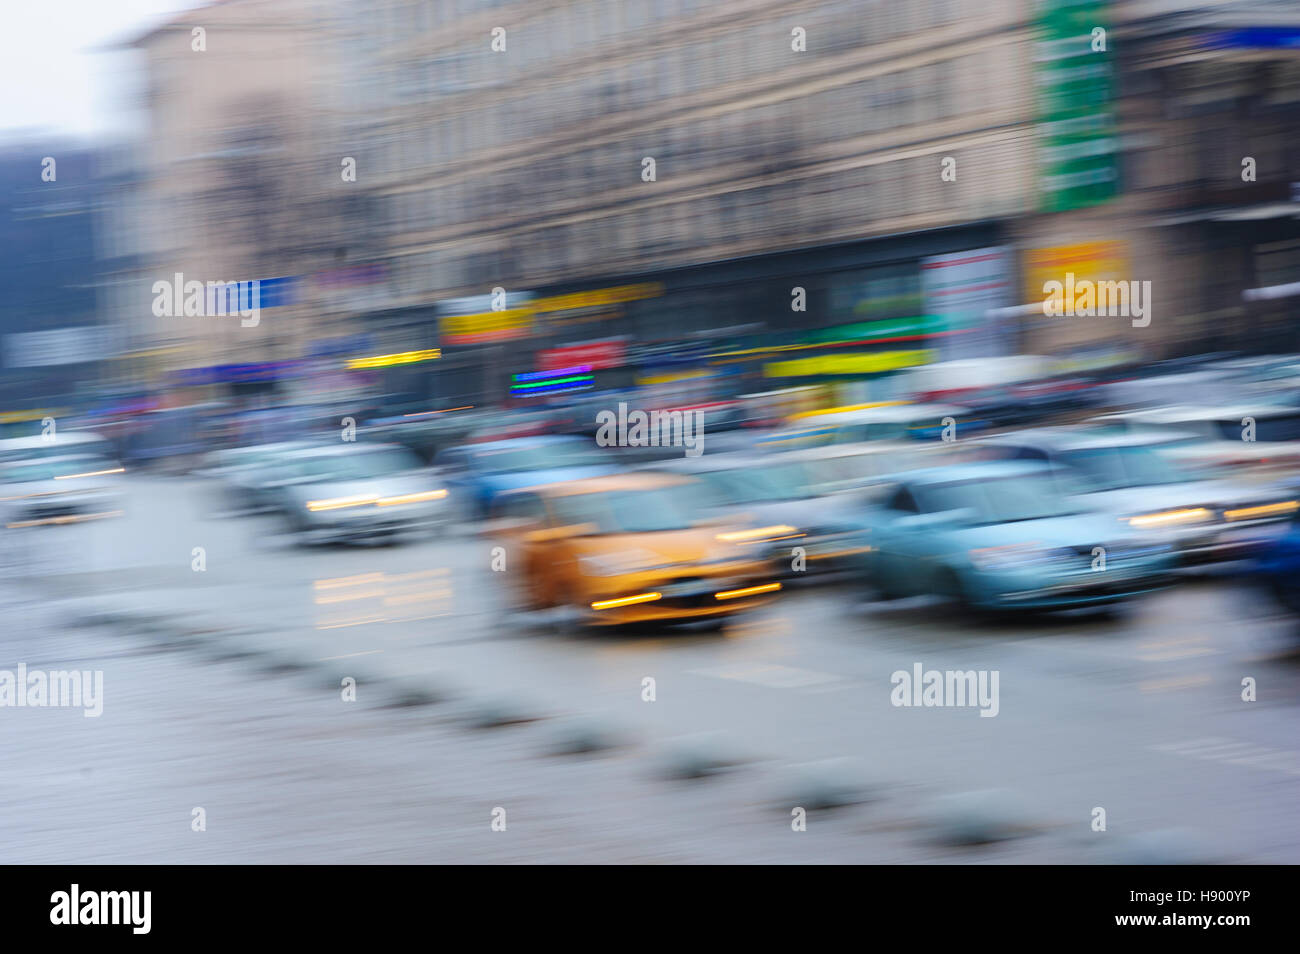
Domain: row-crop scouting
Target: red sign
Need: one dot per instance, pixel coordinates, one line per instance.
(595, 354)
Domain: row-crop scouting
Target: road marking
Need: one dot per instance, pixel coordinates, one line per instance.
(1178, 682)
(1235, 752)
(367, 652)
(1179, 647)
(771, 676)
(1172, 654)
(353, 622)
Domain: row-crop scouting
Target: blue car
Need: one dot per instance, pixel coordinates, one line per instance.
(1000, 536)
(477, 474)
(1276, 568)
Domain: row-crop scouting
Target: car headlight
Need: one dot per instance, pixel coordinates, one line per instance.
(1009, 556)
(760, 534)
(1170, 518)
(1283, 508)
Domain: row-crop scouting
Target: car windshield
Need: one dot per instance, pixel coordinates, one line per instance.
(997, 499)
(1112, 468)
(354, 466)
(54, 468)
(632, 511)
(747, 485)
(513, 460)
(857, 466)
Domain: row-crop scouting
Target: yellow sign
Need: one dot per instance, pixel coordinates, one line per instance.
(487, 326)
(19, 417)
(872, 362)
(387, 360)
(1093, 261)
(597, 297)
(517, 322)
(818, 412)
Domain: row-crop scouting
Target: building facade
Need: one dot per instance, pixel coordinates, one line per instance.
(788, 192)
(241, 177)
(725, 154)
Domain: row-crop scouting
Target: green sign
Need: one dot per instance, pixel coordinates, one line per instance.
(883, 329)
(1078, 139)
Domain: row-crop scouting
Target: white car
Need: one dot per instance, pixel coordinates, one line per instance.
(58, 490)
(1261, 441)
(238, 472)
(353, 492)
(1205, 520)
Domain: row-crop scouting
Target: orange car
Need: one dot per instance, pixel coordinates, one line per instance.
(629, 548)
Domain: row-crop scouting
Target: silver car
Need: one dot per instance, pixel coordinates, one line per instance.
(1205, 519)
(353, 492)
(792, 501)
(240, 475)
(56, 490)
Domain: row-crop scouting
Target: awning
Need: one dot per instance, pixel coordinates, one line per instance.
(1246, 213)
(1271, 291)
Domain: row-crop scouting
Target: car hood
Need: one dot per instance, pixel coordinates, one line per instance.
(1073, 530)
(693, 546)
(388, 486)
(811, 514)
(1196, 493)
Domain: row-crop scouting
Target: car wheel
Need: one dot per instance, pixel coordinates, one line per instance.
(567, 613)
(950, 588)
(293, 532)
(1286, 595)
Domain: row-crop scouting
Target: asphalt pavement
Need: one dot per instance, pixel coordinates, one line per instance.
(224, 645)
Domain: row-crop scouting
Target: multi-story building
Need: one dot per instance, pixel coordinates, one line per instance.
(723, 153)
(822, 189)
(52, 342)
(240, 177)
(1211, 116)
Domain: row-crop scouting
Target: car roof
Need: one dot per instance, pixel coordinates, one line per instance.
(708, 463)
(337, 450)
(851, 449)
(633, 480)
(1209, 412)
(264, 448)
(972, 470)
(1067, 439)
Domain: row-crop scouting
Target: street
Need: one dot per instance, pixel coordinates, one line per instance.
(223, 651)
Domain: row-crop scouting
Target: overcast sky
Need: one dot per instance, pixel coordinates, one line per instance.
(54, 75)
